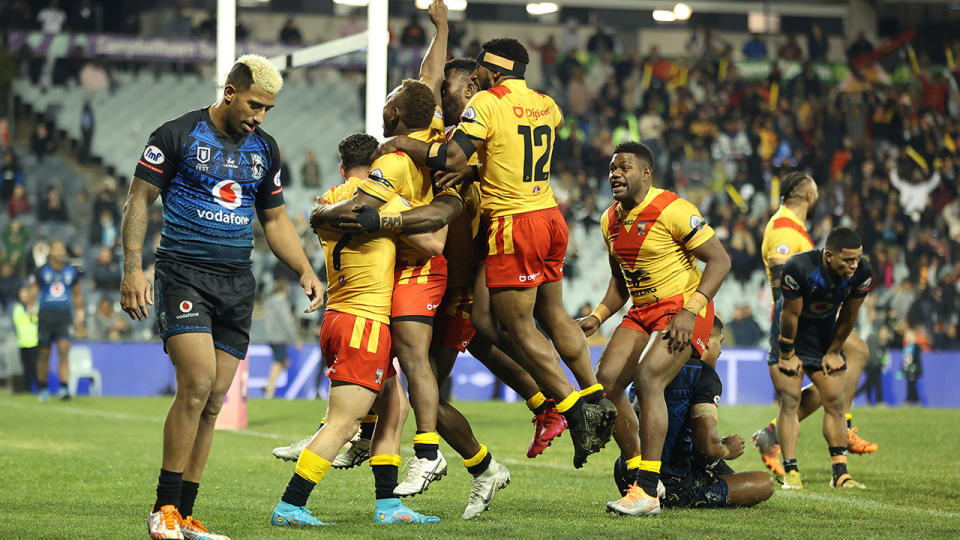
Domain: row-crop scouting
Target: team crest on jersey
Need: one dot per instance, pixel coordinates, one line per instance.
(379, 376)
(377, 176)
(695, 221)
(790, 283)
(469, 114)
(642, 229)
(203, 154)
(437, 113)
(783, 249)
(228, 194)
(257, 168)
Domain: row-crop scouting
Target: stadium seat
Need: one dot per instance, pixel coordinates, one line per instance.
(81, 367)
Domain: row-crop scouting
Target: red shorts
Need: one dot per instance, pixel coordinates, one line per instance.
(655, 316)
(453, 329)
(525, 250)
(356, 349)
(418, 288)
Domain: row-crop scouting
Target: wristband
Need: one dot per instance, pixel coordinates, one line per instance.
(726, 451)
(391, 221)
(695, 303)
(785, 346)
(601, 312)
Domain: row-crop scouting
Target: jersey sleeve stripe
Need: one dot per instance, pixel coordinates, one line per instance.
(151, 167)
(692, 233)
(787, 223)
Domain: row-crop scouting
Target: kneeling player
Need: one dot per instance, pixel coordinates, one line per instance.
(808, 337)
(355, 340)
(694, 472)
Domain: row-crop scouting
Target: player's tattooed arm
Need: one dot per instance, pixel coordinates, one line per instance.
(341, 213)
(776, 272)
(135, 290)
(431, 69)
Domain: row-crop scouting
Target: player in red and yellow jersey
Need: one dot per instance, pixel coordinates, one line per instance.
(355, 341)
(785, 235)
(654, 239)
(512, 128)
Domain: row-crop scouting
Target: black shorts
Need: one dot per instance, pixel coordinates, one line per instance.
(190, 300)
(811, 343)
(700, 489)
(279, 352)
(54, 325)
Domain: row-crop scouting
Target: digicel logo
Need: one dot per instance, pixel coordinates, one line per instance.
(520, 112)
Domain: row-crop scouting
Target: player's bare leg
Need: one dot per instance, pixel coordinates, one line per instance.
(590, 424)
(503, 367)
(43, 372)
(834, 424)
(63, 365)
(615, 371)
(392, 409)
(788, 424)
(226, 369)
(748, 488)
(565, 334)
(658, 366)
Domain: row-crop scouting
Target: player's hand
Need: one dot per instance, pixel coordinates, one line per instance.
(315, 220)
(679, 331)
(790, 366)
(365, 218)
(438, 13)
(136, 293)
(833, 363)
(314, 289)
(734, 445)
(388, 146)
(589, 324)
(448, 179)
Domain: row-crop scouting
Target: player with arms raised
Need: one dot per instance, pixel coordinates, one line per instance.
(512, 129)
(816, 285)
(785, 235)
(654, 239)
(214, 168)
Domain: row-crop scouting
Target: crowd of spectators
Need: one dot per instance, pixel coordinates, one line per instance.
(881, 141)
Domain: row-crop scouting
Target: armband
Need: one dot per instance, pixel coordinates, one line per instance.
(601, 312)
(785, 346)
(437, 157)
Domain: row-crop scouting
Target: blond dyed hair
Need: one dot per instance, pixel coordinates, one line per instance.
(255, 69)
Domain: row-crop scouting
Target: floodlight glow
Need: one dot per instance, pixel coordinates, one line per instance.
(662, 15)
(541, 8)
(355, 3)
(682, 12)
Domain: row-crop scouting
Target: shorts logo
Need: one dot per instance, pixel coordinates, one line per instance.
(783, 249)
(203, 154)
(716, 400)
(379, 376)
(186, 306)
(257, 168)
(790, 283)
(531, 277)
(228, 194)
(464, 344)
(701, 344)
(432, 307)
(154, 155)
(695, 221)
(276, 179)
(469, 114)
(186, 310)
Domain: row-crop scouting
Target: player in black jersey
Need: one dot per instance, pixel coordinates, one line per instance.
(214, 169)
(808, 336)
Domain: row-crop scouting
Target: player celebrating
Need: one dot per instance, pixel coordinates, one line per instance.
(694, 470)
(355, 338)
(214, 168)
(654, 239)
(784, 236)
(512, 129)
(810, 334)
(60, 308)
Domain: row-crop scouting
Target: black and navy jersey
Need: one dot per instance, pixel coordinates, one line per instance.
(56, 287)
(805, 276)
(695, 383)
(211, 188)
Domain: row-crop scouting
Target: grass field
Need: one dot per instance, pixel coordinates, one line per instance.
(88, 468)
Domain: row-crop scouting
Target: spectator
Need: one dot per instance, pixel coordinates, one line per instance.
(87, 126)
(52, 209)
(180, 26)
(651, 127)
(25, 325)
(877, 343)
(744, 329)
(281, 329)
(16, 244)
(106, 272)
(9, 285)
(912, 366)
(791, 49)
(80, 211)
(817, 44)
(601, 41)
(578, 94)
(290, 33)
(106, 230)
(107, 200)
(18, 204)
(310, 171)
(52, 18)
(570, 38)
(548, 60)
(108, 323)
(354, 25)
(860, 47)
(11, 175)
(743, 250)
(755, 48)
(914, 195)
(41, 142)
(732, 145)
(207, 29)
(413, 34)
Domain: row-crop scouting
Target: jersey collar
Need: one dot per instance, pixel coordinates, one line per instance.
(786, 212)
(651, 194)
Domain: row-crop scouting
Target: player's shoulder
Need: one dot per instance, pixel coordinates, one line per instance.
(267, 139)
(864, 269)
(803, 263)
(183, 123)
(709, 378)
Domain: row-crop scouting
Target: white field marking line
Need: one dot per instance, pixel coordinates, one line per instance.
(872, 505)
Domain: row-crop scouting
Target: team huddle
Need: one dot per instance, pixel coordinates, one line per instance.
(447, 238)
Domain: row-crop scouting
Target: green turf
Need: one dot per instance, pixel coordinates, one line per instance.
(88, 468)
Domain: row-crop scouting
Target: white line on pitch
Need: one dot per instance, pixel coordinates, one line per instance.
(872, 505)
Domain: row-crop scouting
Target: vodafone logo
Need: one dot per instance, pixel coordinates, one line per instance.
(186, 306)
(821, 308)
(228, 194)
